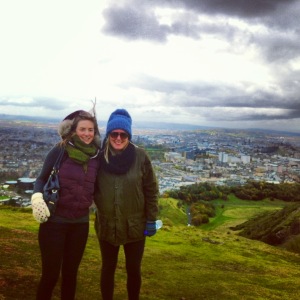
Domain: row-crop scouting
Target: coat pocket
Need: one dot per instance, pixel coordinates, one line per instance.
(104, 230)
(136, 227)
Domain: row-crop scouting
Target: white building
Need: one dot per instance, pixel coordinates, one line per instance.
(173, 156)
(223, 157)
(246, 159)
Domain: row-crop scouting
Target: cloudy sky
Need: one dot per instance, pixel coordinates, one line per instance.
(232, 63)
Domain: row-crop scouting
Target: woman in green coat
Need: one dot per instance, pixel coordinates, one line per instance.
(127, 204)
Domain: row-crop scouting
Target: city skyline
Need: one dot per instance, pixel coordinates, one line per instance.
(207, 63)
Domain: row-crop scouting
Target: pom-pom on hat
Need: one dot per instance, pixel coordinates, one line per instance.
(67, 126)
(119, 119)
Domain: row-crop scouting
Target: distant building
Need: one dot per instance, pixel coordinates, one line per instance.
(22, 183)
(246, 159)
(26, 183)
(11, 183)
(223, 157)
(173, 156)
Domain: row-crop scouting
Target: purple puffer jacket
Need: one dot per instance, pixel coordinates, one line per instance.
(76, 188)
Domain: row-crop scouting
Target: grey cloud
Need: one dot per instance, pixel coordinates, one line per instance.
(277, 47)
(219, 114)
(284, 18)
(242, 8)
(186, 29)
(50, 103)
(200, 94)
(136, 20)
(44, 102)
(277, 41)
(258, 116)
(134, 23)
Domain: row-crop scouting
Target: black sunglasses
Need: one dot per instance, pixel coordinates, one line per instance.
(114, 135)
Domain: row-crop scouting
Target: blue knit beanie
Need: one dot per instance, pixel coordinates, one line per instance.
(119, 119)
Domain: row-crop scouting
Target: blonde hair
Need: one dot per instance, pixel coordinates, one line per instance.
(106, 150)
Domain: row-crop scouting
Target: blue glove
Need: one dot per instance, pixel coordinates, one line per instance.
(150, 228)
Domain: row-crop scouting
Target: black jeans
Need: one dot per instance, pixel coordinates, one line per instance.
(133, 256)
(62, 246)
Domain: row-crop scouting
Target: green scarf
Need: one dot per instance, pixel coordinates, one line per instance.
(81, 152)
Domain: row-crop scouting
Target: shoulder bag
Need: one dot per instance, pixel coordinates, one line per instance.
(51, 188)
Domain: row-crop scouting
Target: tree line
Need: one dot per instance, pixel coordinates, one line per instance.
(256, 191)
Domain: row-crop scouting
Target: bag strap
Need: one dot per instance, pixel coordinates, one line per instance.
(59, 158)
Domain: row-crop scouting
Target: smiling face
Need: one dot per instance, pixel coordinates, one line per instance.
(86, 131)
(118, 139)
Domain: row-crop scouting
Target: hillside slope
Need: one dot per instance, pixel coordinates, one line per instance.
(180, 262)
(279, 228)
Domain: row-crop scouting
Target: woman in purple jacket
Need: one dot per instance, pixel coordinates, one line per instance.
(63, 235)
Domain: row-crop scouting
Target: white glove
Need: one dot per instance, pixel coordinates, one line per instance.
(40, 210)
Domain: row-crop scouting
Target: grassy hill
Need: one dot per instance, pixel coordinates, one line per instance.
(275, 228)
(180, 262)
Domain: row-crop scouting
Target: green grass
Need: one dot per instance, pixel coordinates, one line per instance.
(170, 213)
(235, 211)
(180, 262)
(3, 198)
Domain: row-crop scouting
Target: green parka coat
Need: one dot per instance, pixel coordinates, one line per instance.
(125, 202)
